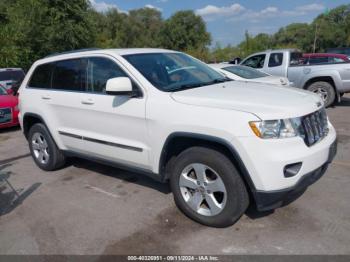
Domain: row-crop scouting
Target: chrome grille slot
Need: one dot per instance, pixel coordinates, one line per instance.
(315, 127)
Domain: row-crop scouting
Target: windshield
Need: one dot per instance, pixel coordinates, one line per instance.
(245, 72)
(15, 75)
(174, 71)
(2, 91)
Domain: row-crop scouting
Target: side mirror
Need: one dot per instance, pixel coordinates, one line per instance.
(119, 86)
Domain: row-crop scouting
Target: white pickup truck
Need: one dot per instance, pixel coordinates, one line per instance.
(330, 81)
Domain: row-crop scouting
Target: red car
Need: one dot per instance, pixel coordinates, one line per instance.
(324, 58)
(8, 109)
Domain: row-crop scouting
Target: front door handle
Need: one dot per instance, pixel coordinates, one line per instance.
(87, 102)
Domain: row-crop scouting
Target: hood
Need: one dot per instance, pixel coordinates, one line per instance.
(262, 100)
(8, 101)
(275, 80)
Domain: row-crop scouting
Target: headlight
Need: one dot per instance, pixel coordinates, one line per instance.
(283, 128)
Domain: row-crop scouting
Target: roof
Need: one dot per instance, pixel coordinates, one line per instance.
(121, 52)
(281, 50)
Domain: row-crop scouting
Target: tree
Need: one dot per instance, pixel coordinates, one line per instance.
(36, 28)
(254, 44)
(185, 31)
(296, 35)
(144, 27)
(333, 28)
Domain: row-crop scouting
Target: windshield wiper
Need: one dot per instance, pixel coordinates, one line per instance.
(187, 86)
(194, 85)
(219, 80)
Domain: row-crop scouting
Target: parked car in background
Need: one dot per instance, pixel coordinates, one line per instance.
(329, 81)
(245, 73)
(8, 109)
(340, 50)
(11, 78)
(221, 144)
(324, 58)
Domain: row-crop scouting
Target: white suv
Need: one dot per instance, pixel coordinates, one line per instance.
(221, 144)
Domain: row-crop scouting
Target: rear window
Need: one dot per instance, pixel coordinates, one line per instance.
(41, 77)
(16, 75)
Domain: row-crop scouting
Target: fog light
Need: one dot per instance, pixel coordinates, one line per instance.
(292, 169)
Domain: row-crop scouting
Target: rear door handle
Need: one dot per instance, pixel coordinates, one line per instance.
(46, 97)
(87, 101)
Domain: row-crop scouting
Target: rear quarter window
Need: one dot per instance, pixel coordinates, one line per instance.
(41, 78)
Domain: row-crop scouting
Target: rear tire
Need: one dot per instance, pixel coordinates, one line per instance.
(325, 90)
(218, 198)
(43, 149)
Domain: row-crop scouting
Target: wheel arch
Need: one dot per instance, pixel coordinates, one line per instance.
(30, 119)
(315, 79)
(329, 79)
(179, 141)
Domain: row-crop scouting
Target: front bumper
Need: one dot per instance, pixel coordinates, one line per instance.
(266, 159)
(273, 199)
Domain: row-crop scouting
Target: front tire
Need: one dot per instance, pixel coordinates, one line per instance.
(208, 188)
(325, 90)
(43, 149)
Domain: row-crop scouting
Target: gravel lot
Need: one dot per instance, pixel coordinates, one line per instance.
(88, 208)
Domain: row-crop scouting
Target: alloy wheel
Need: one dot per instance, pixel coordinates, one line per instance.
(322, 93)
(202, 189)
(40, 148)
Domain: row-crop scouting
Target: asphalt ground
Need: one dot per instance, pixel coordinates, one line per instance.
(89, 208)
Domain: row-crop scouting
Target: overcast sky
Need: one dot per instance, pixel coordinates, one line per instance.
(227, 20)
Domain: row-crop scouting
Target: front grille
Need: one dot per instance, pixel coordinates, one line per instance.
(315, 127)
(5, 115)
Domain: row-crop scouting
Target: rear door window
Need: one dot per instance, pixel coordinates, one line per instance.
(41, 77)
(256, 61)
(70, 75)
(276, 59)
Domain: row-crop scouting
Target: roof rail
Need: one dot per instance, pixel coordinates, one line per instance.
(73, 51)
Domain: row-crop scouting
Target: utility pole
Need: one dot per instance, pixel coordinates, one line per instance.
(315, 38)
